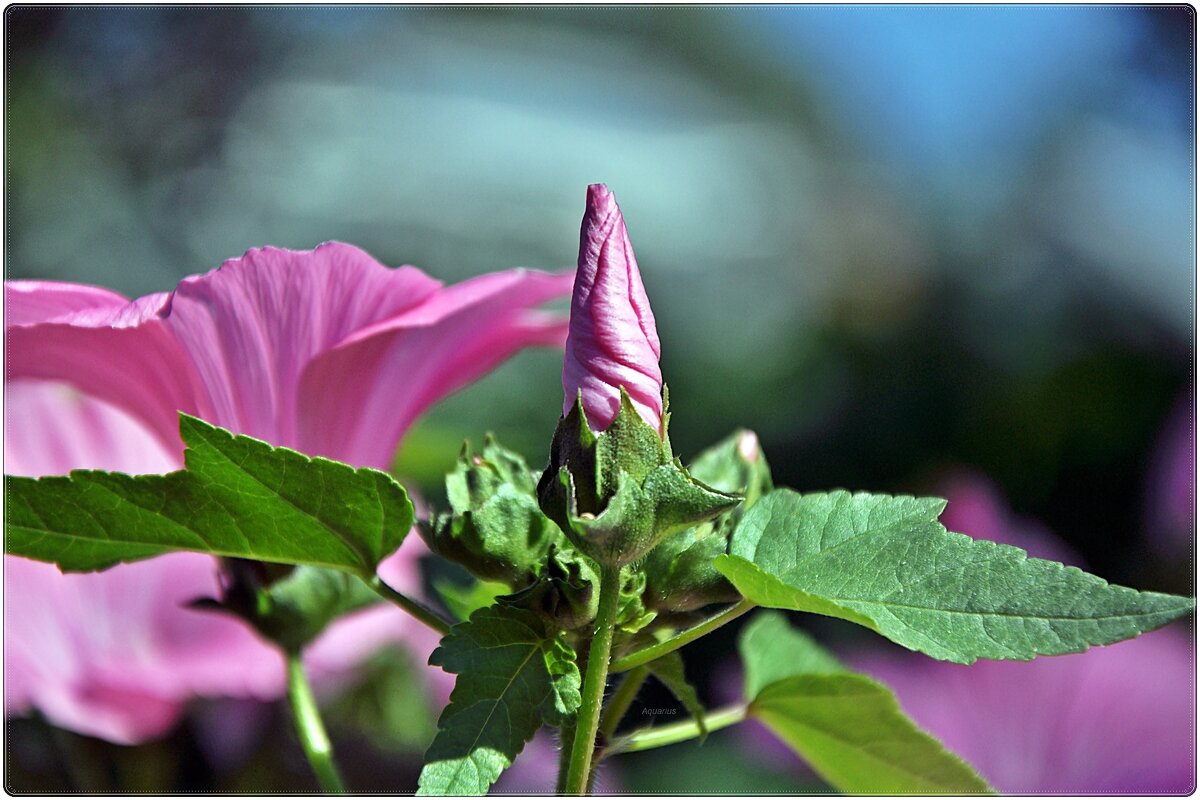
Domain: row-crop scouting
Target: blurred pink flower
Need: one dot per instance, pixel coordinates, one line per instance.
(1116, 719)
(613, 341)
(327, 351)
(975, 507)
(112, 654)
(1171, 484)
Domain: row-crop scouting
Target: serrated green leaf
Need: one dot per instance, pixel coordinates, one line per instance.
(669, 669)
(847, 726)
(236, 496)
(513, 676)
(789, 527)
(882, 563)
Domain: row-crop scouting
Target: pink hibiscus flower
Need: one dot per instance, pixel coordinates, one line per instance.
(325, 351)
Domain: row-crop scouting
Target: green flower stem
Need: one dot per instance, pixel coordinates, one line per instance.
(620, 701)
(566, 738)
(584, 743)
(423, 613)
(313, 738)
(645, 656)
(663, 735)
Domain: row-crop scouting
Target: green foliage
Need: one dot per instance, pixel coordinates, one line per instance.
(735, 464)
(618, 493)
(884, 563)
(632, 615)
(236, 496)
(495, 528)
(514, 674)
(773, 650)
(463, 601)
(294, 609)
(847, 726)
(669, 669)
(679, 571)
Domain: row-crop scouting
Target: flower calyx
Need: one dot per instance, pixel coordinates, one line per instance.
(618, 493)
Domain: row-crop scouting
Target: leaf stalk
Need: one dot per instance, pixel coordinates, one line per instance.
(676, 732)
(423, 613)
(648, 654)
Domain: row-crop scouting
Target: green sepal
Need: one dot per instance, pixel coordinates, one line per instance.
(565, 595)
(616, 494)
(289, 607)
(495, 528)
(679, 571)
(632, 615)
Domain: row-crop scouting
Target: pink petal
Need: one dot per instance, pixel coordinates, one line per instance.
(613, 340)
(1170, 516)
(251, 326)
(115, 655)
(117, 352)
(357, 400)
(51, 429)
(237, 346)
(27, 302)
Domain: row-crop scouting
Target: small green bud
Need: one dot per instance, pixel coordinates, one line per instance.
(565, 595)
(288, 605)
(495, 528)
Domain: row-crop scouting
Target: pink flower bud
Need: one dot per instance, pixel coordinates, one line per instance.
(612, 341)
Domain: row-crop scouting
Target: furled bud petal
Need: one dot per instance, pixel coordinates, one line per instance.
(612, 341)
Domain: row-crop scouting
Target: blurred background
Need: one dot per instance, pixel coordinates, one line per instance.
(913, 248)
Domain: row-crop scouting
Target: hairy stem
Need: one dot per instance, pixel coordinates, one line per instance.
(584, 743)
(620, 701)
(423, 613)
(646, 655)
(663, 735)
(566, 738)
(311, 730)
